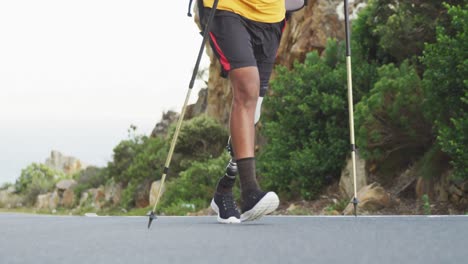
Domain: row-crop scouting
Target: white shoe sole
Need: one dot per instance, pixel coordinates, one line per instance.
(265, 206)
(230, 220)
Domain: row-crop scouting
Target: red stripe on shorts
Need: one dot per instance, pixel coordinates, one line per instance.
(222, 58)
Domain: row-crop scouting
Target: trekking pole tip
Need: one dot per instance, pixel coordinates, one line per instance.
(152, 217)
(355, 203)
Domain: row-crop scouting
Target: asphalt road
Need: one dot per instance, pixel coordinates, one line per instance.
(276, 239)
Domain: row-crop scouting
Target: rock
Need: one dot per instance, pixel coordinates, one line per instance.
(65, 184)
(142, 194)
(464, 202)
(154, 192)
(84, 197)
(167, 119)
(68, 198)
(453, 189)
(97, 197)
(424, 187)
(464, 186)
(113, 193)
(455, 198)
(47, 200)
(441, 188)
(291, 208)
(371, 198)
(199, 106)
(42, 201)
(54, 200)
(66, 164)
(310, 28)
(8, 199)
(347, 181)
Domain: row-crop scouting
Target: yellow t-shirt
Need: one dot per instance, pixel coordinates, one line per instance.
(267, 11)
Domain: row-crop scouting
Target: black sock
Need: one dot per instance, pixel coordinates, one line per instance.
(248, 179)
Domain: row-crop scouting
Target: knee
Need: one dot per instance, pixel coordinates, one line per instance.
(245, 94)
(245, 90)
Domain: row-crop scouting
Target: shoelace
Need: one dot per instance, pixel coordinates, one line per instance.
(228, 202)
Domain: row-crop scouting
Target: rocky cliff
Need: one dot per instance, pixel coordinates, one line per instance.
(66, 164)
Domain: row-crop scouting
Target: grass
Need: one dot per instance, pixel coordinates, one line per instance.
(339, 206)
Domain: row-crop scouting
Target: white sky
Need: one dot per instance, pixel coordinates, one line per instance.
(75, 74)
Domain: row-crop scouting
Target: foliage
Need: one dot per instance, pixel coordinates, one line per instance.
(148, 163)
(389, 119)
(91, 177)
(338, 206)
(200, 138)
(305, 124)
(124, 154)
(36, 179)
(391, 31)
(426, 205)
(128, 195)
(194, 188)
(446, 87)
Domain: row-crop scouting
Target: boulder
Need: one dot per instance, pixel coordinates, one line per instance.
(371, 198)
(347, 180)
(113, 193)
(47, 200)
(68, 165)
(97, 197)
(161, 128)
(42, 201)
(142, 194)
(154, 192)
(8, 199)
(68, 198)
(65, 184)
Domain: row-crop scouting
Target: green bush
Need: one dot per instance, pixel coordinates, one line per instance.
(148, 163)
(194, 188)
(91, 177)
(306, 125)
(391, 31)
(124, 155)
(389, 119)
(128, 195)
(446, 87)
(200, 138)
(36, 179)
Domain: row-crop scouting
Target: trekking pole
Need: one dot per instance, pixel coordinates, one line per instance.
(151, 214)
(350, 102)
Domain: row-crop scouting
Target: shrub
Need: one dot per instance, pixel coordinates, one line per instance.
(200, 138)
(306, 125)
(124, 154)
(446, 88)
(389, 120)
(36, 179)
(391, 31)
(195, 186)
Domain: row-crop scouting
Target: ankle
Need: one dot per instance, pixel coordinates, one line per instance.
(225, 184)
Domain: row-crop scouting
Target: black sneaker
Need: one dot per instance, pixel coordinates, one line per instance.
(258, 204)
(225, 206)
